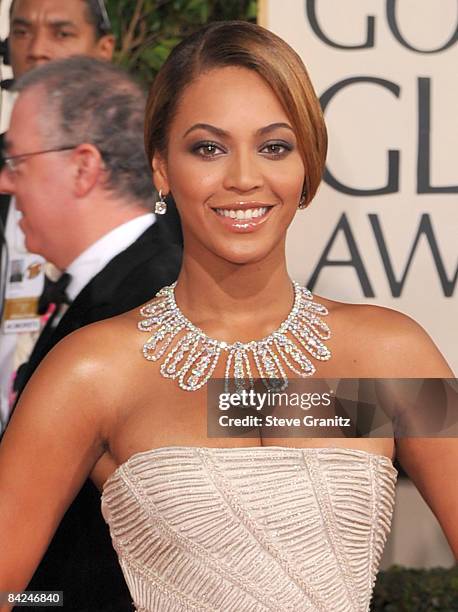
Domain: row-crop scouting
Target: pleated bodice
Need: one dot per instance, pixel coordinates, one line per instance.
(250, 529)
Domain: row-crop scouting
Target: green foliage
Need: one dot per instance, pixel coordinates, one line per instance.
(147, 30)
(409, 590)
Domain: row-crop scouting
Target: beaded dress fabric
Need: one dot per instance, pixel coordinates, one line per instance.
(250, 529)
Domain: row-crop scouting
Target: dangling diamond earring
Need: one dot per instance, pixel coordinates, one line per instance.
(160, 207)
(302, 203)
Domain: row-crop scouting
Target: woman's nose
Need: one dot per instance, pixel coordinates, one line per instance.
(244, 172)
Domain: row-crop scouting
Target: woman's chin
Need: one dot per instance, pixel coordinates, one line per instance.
(237, 250)
(245, 254)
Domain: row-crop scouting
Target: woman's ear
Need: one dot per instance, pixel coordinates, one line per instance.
(160, 175)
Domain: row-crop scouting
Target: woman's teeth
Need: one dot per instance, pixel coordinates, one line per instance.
(249, 213)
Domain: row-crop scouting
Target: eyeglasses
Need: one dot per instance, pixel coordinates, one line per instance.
(12, 162)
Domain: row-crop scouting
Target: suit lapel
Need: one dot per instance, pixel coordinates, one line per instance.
(101, 293)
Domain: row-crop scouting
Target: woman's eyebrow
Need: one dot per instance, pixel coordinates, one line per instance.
(274, 126)
(220, 132)
(208, 127)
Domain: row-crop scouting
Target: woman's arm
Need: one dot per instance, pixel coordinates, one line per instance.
(432, 466)
(53, 441)
(431, 463)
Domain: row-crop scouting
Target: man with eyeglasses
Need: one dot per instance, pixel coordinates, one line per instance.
(40, 31)
(83, 184)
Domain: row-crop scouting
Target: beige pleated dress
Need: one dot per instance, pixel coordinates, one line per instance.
(252, 529)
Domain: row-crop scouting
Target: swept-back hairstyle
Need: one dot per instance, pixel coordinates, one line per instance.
(86, 100)
(239, 43)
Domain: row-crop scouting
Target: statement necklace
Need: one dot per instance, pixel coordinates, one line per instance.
(194, 356)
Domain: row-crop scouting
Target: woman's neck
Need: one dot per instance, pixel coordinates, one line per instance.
(235, 301)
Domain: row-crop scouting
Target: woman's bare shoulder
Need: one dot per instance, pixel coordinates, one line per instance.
(99, 357)
(386, 342)
(103, 336)
(95, 341)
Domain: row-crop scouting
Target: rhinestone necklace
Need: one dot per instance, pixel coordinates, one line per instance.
(194, 356)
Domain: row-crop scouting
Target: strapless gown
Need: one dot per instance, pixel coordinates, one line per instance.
(252, 529)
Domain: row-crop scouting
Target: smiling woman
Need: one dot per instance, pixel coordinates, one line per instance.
(266, 158)
(272, 61)
(235, 133)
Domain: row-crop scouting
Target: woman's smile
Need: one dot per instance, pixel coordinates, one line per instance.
(243, 217)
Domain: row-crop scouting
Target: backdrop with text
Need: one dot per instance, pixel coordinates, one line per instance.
(383, 228)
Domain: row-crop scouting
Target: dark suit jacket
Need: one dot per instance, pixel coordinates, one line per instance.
(80, 560)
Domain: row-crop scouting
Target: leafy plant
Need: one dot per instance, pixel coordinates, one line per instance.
(412, 590)
(147, 30)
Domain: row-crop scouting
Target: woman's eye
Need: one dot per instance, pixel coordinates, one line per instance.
(276, 149)
(207, 149)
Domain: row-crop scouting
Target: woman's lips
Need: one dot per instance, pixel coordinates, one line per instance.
(243, 220)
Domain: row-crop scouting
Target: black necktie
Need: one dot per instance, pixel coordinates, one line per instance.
(54, 292)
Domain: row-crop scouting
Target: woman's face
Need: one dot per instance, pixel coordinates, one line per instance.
(232, 165)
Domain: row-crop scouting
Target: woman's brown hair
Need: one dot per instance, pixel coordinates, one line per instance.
(239, 43)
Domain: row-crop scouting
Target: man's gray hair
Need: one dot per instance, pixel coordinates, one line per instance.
(91, 101)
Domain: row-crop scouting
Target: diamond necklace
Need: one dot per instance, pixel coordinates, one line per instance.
(194, 357)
